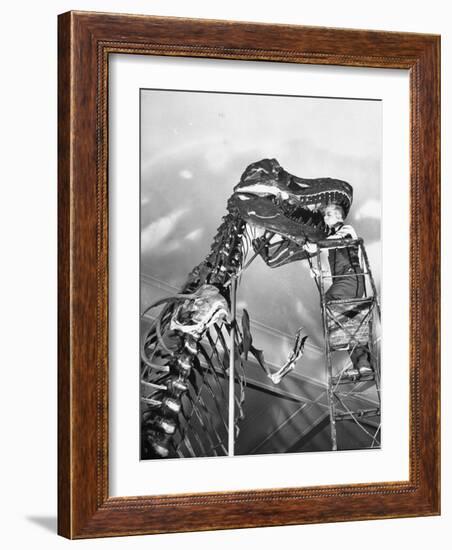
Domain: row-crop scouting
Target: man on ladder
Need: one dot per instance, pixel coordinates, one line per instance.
(347, 313)
(347, 278)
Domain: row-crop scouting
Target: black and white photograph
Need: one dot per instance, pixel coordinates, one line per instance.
(260, 273)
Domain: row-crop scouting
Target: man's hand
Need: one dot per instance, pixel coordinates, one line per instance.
(311, 248)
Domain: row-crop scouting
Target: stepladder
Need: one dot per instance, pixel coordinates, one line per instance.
(351, 314)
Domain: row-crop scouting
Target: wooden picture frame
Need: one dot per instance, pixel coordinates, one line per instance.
(86, 40)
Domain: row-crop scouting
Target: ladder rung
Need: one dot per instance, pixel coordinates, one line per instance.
(339, 243)
(362, 413)
(346, 344)
(327, 275)
(368, 300)
(344, 380)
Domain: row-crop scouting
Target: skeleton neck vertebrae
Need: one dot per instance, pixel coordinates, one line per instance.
(225, 257)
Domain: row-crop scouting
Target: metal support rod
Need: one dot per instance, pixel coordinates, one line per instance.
(315, 277)
(231, 411)
(329, 366)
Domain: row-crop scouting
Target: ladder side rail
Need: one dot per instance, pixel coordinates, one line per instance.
(372, 282)
(365, 271)
(375, 354)
(375, 358)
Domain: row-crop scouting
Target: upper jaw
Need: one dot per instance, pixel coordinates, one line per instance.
(312, 201)
(267, 178)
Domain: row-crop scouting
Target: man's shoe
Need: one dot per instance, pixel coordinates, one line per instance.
(365, 370)
(351, 373)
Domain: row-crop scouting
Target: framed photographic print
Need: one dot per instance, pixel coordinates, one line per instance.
(248, 274)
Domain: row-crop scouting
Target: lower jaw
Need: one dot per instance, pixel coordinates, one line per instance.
(294, 230)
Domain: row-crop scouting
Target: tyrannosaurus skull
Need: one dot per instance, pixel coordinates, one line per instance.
(270, 198)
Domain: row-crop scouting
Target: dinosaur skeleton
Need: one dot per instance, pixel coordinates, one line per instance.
(185, 352)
